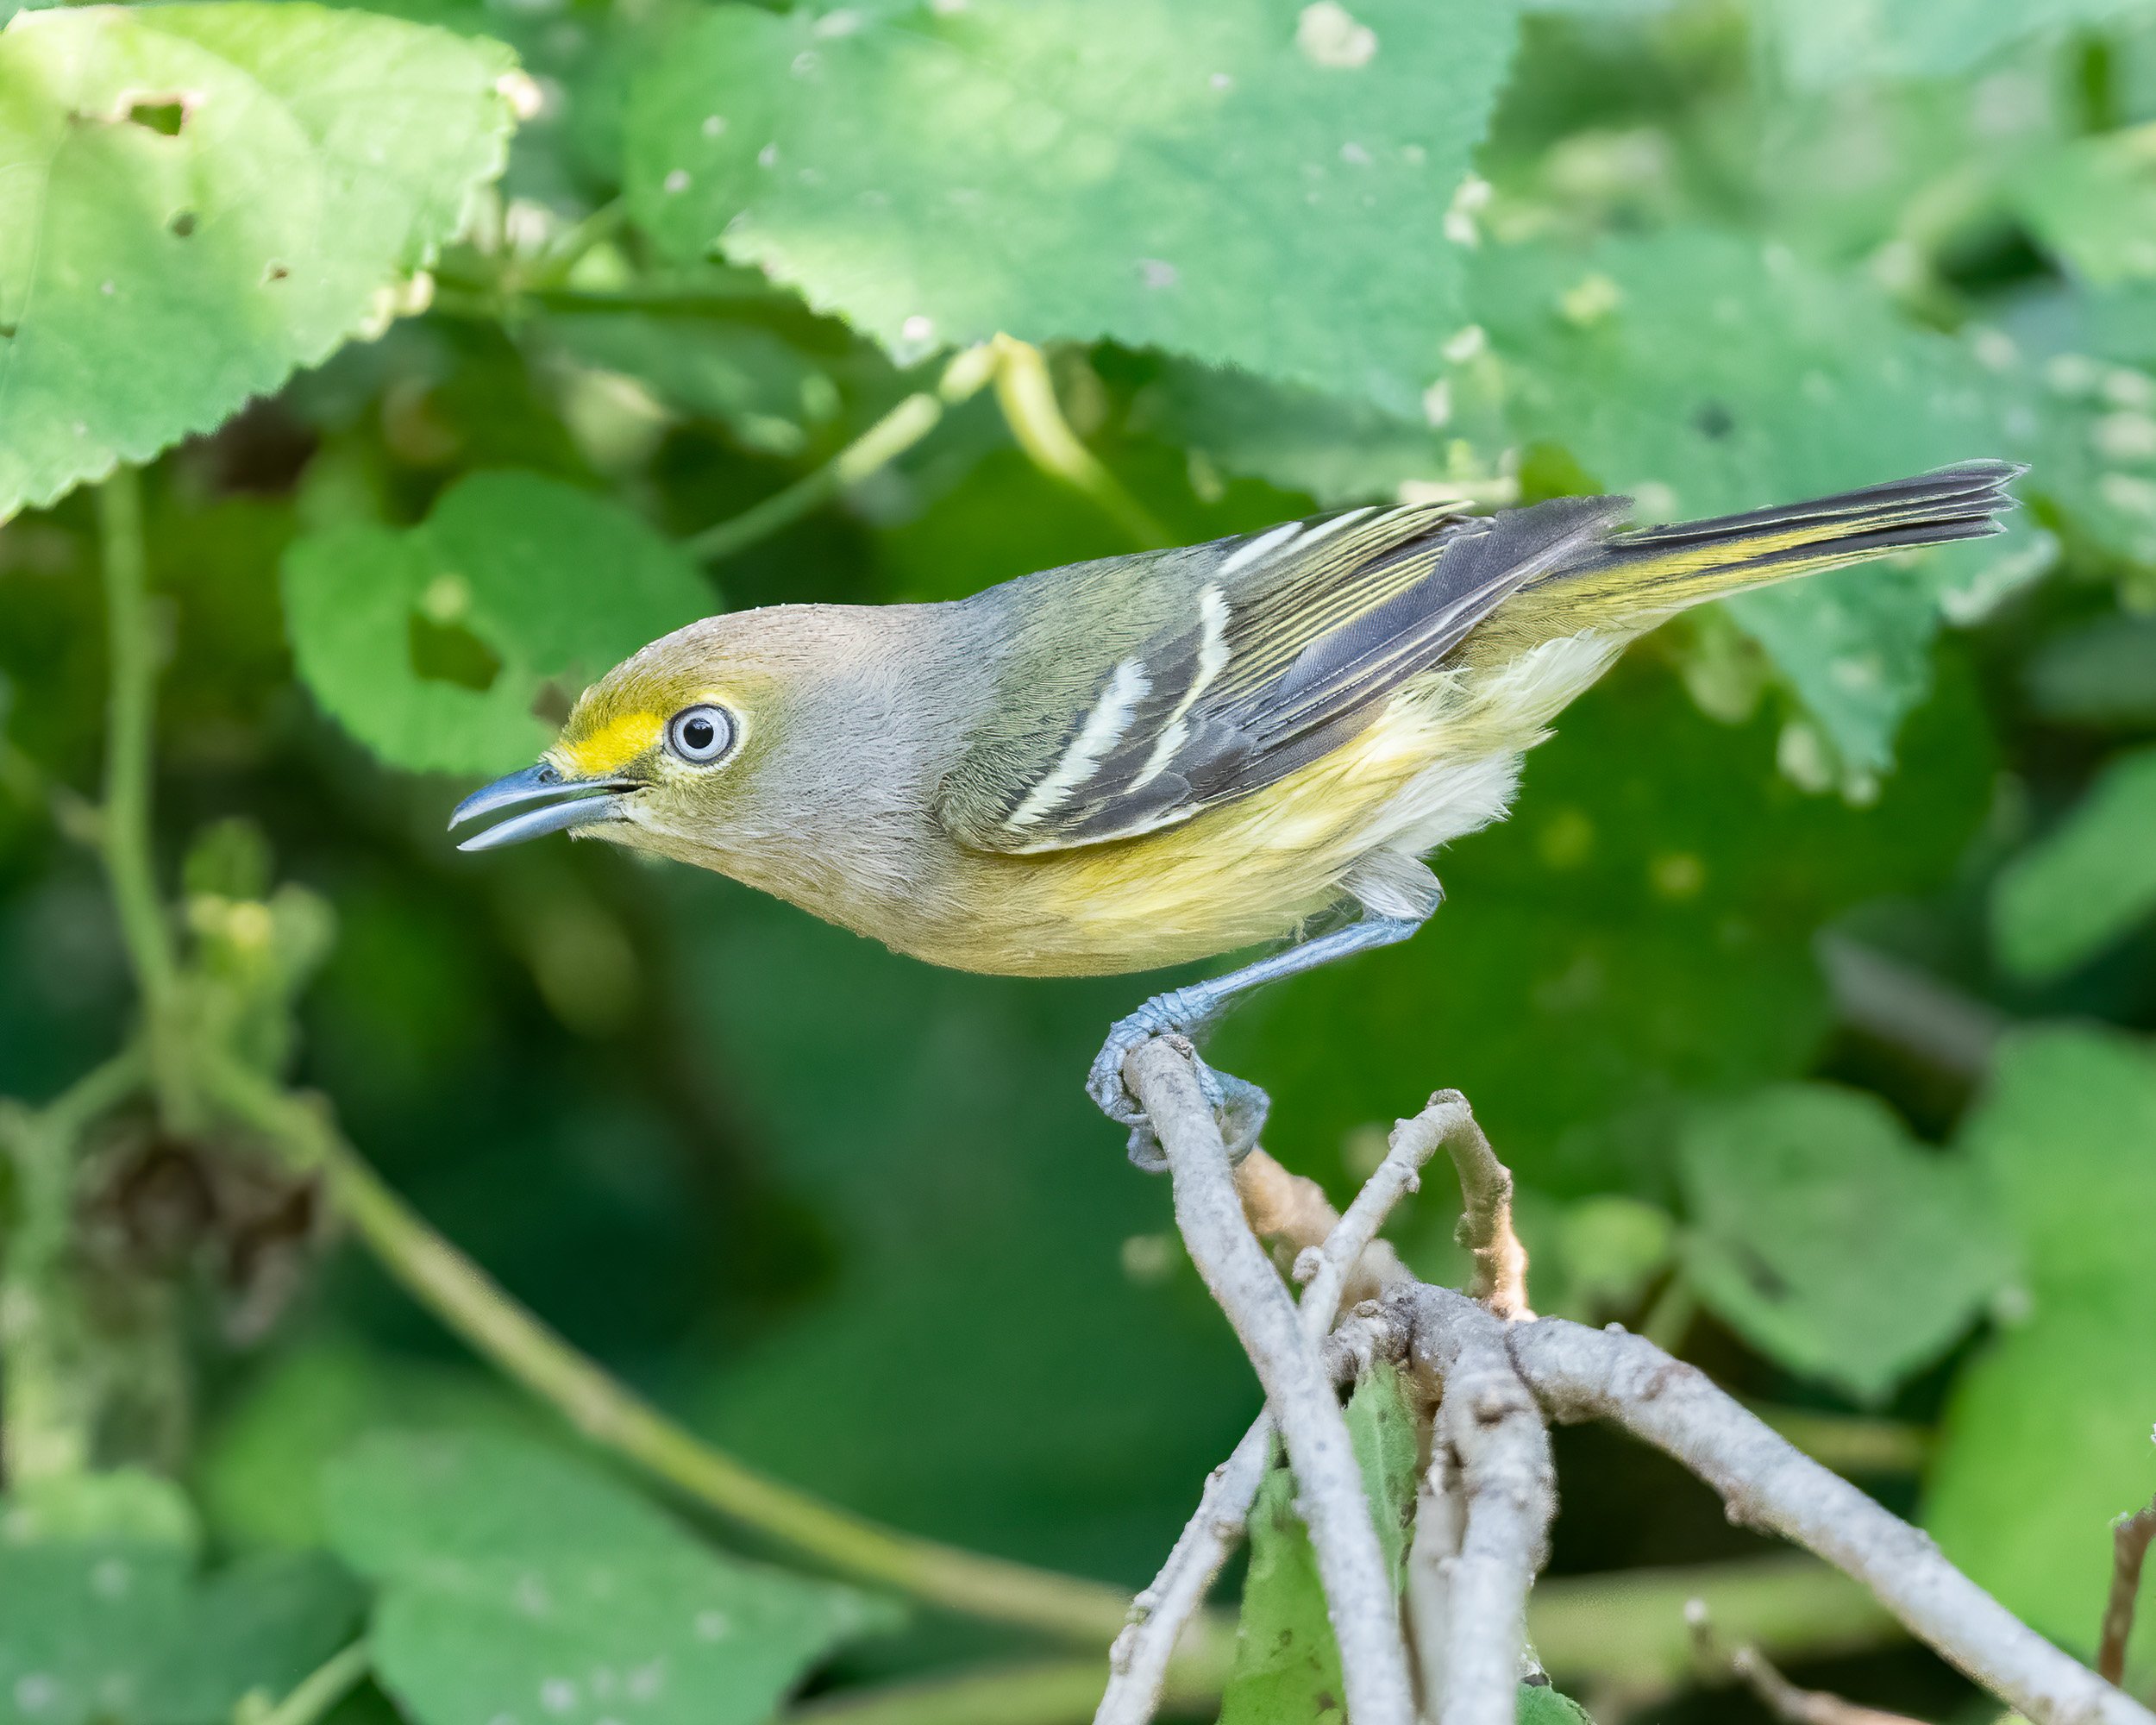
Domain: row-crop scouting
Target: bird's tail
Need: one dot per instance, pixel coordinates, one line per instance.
(1656, 570)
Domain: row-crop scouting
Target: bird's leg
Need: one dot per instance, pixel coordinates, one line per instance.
(1192, 1011)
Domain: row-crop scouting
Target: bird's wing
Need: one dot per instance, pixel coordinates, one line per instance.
(1283, 646)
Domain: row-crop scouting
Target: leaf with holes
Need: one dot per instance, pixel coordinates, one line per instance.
(196, 199)
(1830, 1240)
(1704, 374)
(1253, 183)
(518, 1583)
(430, 646)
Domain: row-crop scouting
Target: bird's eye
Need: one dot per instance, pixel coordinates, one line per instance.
(700, 734)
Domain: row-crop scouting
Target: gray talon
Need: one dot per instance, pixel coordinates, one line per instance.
(1239, 1105)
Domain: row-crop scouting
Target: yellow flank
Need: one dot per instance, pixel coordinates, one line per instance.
(1175, 894)
(622, 739)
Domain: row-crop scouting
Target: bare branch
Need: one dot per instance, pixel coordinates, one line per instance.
(1486, 1230)
(1295, 1213)
(1781, 1697)
(1493, 1481)
(2131, 1536)
(1578, 1373)
(1358, 1589)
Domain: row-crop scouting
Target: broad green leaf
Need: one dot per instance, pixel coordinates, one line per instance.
(1823, 43)
(2092, 203)
(196, 199)
(1287, 1663)
(430, 645)
(1381, 1427)
(120, 1632)
(1541, 1704)
(1257, 182)
(1830, 1240)
(517, 1581)
(2046, 1436)
(1338, 450)
(2082, 886)
(1703, 375)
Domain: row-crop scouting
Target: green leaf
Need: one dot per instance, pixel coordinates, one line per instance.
(198, 198)
(2092, 203)
(1255, 183)
(1830, 1240)
(1381, 1427)
(431, 645)
(1338, 450)
(1286, 1664)
(2103, 673)
(1540, 1704)
(97, 1631)
(1705, 374)
(517, 1579)
(2087, 883)
(1825, 42)
(2046, 1436)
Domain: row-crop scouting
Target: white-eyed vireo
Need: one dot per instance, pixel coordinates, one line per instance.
(1145, 760)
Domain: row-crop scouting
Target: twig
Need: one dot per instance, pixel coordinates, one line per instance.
(1039, 1692)
(471, 1305)
(1579, 1373)
(1781, 1697)
(2131, 1536)
(1492, 1462)
(321, 1690)
(1486, 1230)
(1027, 396)
(891, 436)
(1339, 1253)
(129, 718)
(1359, 1589)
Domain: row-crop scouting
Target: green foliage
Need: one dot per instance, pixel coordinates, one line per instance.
(1830, 1241)
(1381, 1427)
(200, 199)
(432, 644)
(1133, 169)
(1703, 373)
(511, 1577)
(2045, 1439)
(1825, 44)
(110, 1631)
(2075, 892)
(1540, 1704)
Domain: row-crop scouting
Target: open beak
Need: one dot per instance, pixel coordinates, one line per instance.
(552, 802)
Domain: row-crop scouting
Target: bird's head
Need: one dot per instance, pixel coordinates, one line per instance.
(660, 753)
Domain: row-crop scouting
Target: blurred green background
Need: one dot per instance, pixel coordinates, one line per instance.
(1807, 990)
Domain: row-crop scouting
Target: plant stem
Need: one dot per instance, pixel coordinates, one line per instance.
(50, 1404)
(1027, 396)
(469, 1303)
(130, 713)
(1039, 1692)
(321, 1690)
(890, 437)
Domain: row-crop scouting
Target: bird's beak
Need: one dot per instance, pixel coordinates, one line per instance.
(560, 802)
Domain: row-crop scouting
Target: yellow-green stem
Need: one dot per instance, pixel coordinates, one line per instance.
(1027, 396)
(321, 1690)
(468, 1302)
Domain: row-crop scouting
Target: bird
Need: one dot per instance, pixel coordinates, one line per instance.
(1149, 760)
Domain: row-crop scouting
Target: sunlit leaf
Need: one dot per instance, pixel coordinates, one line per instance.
(2093, 204)
(1254, 183)
(431, 645)
(1823, 41)
(515, 1579)
(195, 199)
(1831, 1241)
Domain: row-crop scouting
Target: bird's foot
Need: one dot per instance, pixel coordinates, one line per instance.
(1238, 1104)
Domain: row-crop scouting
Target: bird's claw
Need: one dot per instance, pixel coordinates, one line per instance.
(1238, 1104)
